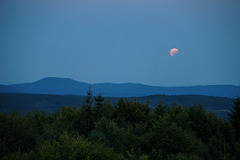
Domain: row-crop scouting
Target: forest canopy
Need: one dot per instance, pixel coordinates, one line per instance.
(125, 130)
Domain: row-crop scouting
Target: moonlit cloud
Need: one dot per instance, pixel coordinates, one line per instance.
(174, 51)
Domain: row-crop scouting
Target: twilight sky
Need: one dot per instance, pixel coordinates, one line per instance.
(121, 41)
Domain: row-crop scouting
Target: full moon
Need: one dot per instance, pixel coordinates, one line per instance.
(174, 51)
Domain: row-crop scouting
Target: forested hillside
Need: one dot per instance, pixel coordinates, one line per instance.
(50, 103)
(126, 130)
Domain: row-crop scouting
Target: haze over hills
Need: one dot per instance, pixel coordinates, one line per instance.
(66, 86)
(29, 102)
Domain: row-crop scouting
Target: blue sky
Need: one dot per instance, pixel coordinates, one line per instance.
(121, 41)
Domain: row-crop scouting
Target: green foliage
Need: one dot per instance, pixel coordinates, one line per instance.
(73, 148)
(107, 132)
(183, 157)
(127, 130)
(179, 115)
(132, 112)
(70, 148)
(171, 139)
(88, 111)
(103, 110)
(99, 100)
(161, 109)
(17, 133)
(234, 117)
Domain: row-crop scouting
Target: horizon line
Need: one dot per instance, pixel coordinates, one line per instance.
(107, 82)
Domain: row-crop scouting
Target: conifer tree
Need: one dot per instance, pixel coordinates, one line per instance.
(234, 117)
(87, 108)
(98, 106)
(99, 100)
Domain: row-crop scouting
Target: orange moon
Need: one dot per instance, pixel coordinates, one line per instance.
(174, 51)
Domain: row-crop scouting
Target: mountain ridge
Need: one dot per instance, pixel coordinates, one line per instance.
(67, 86)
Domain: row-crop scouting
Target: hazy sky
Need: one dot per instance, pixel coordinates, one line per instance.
(121, 41)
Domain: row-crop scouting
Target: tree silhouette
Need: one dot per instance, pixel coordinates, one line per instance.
(234, 117)
(87, 108)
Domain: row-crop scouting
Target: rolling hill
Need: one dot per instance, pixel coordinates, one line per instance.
(28, 102)
(66, 86)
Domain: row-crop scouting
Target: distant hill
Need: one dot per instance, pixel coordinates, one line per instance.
(49, 103)
(66, 86)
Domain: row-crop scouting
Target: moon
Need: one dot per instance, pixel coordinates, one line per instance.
(174, 51)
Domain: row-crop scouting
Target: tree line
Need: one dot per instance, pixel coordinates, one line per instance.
(125, 130)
